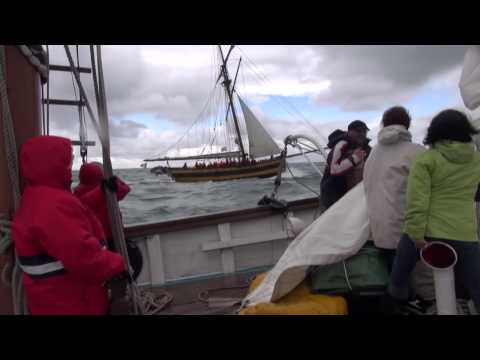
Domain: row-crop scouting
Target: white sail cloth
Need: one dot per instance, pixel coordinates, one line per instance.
(339, 233)
(260, 142)
(470, 78)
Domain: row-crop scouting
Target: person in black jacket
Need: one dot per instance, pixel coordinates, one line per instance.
(344, 162)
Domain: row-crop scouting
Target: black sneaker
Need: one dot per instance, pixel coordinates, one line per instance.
(419, 307)
(391, 306)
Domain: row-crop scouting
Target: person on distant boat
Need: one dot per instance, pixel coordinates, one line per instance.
(60, 243)
(344, 168)
(91, 194)
(440, 205)
(185, 166)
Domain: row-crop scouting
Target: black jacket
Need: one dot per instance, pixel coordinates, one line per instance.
(332, 188)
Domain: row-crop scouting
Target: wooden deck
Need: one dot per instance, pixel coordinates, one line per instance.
(189, 298)
(186, 297)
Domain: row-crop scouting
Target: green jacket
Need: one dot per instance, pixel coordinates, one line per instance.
(440, 193)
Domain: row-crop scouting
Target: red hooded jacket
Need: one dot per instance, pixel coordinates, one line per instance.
(89, 193)
(57, 239)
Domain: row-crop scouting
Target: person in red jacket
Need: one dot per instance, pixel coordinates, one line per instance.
(91, 176)
(59, 242)
(91, 179)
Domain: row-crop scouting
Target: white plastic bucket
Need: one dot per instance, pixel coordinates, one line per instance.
(441, 258)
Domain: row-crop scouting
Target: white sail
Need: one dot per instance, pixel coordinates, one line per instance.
(260, 142)
(470, 78)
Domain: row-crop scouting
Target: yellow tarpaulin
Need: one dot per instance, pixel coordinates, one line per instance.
(298, 302)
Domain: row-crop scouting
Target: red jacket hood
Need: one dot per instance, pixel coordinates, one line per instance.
(90, 176)
(47, 160)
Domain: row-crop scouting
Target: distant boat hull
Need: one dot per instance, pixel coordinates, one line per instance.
(158, 170)
(264, 169)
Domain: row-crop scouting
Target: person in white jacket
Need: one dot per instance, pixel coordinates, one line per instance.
(385, 180)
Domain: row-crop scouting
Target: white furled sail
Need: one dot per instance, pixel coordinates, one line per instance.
(260, 142)
(470, 78)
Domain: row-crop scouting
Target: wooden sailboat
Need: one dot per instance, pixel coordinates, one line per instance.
(264, 157)
(215, 254)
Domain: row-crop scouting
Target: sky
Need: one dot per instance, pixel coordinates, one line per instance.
(155, 93)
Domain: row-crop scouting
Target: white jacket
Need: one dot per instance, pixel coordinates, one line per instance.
(385, 179)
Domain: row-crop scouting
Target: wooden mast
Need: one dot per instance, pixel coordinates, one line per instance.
(24, 90)
(226, 84)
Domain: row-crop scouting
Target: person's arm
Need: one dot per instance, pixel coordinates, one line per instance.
(94, 198)
(418, 199)
(68, 238)
(339, 167)
(123, 189)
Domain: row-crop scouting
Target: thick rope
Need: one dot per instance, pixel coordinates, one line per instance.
(112, 202)
(48, 92)
(12, 166)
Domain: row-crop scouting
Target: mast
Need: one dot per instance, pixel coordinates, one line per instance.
(226, 84)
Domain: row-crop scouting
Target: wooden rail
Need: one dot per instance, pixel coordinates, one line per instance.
(149, 229)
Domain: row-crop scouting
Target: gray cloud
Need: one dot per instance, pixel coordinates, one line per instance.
(125, 129)
(172, 83)
(366, 78)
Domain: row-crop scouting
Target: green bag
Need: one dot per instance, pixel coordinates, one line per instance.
(364, 274)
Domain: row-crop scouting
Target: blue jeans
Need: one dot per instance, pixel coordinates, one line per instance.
(467, 269)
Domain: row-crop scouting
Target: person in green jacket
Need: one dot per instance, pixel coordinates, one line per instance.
(440, 204)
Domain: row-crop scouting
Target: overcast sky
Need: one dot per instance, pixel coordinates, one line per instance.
(156, 92)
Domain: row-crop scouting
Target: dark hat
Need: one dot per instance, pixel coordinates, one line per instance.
(333, 137)
(358, 125)
(335, 134)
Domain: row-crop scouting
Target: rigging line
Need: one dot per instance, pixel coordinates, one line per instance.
(311, 162)
(191, 126)
(73, 84)
(274, 98)
(266, 80)
(81, 113)
(278, 99)
(48, 91)
(209, 119)
(258, 71)
(309, 147)
(299, 182)
(43, 112)
(80, 107)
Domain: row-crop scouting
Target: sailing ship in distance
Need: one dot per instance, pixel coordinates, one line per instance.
(264, 158)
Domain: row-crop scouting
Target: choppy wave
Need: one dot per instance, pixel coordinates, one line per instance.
(156, 198)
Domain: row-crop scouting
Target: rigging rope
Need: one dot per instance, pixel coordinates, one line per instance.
(81, 118)
(199, 117)
(112, 202)
(300, 183)
(19, 304)
(43, 111)
(310, 161)
(143, 302)
(48, 91)
(263, 78)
